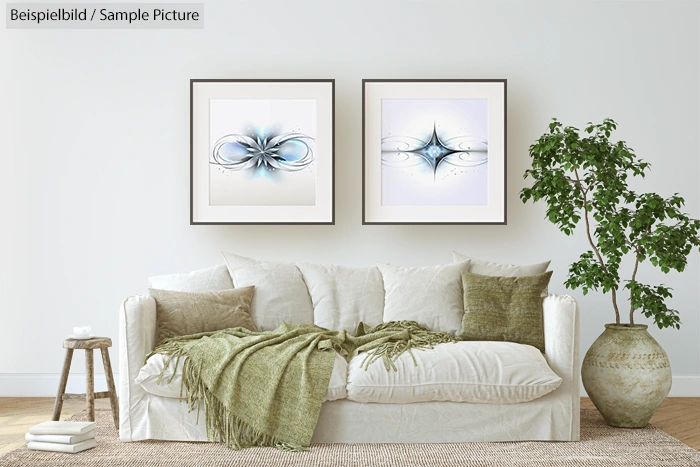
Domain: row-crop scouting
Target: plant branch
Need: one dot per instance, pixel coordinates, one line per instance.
(634, 275)
(578, 183)
(636, 266)
(593, 245)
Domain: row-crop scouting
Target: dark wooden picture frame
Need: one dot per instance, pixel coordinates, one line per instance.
(434, 151)
(262, 151)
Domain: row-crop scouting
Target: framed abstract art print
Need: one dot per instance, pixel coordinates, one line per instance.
(434, 151)
(261, 151)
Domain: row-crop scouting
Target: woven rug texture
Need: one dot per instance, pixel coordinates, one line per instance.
(600, 445)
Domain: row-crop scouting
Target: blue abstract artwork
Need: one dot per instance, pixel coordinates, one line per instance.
(262, 152)
(434, 152)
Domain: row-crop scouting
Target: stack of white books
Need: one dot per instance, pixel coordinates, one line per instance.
(62, 436)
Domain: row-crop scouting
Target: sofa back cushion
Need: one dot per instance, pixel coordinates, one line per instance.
(202, 280)
(490, 268)
(280, 292)
(344, 296)
(431, 296)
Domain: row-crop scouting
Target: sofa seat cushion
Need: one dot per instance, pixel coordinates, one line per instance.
(474, 371)
(150, 372)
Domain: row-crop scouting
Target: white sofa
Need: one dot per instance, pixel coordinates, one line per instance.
(409, 408)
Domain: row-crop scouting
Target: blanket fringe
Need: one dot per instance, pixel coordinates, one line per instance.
(418, 338)
(221, 424)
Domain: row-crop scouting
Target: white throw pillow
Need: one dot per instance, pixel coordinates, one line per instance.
(150, 373)
(343, 296)
(212, 279)
(471, 371)
(431, 296)
(280, 292)
(489, 268)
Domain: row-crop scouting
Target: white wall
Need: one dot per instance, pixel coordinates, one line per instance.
(94, 147)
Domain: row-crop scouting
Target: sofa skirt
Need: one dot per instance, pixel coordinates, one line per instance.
(343, 421)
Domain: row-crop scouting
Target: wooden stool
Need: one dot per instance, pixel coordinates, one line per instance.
(102, 343)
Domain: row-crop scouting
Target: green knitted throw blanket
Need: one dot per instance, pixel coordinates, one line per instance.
(266, 388)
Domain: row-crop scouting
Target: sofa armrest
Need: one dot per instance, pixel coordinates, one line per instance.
(137, 338)
(561, 343)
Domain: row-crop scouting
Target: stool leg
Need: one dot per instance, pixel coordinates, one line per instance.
(58, 405)
(90, 385)
(110, 386)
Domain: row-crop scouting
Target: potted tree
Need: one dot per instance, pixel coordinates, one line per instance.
(583, 176)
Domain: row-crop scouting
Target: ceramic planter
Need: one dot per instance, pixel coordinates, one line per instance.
(627, 375)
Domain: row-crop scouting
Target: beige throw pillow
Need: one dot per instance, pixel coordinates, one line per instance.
(183, 313)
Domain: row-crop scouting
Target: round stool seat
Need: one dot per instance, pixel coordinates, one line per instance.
(92, 343)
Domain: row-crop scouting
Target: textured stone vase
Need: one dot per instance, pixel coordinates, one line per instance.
(627, 375)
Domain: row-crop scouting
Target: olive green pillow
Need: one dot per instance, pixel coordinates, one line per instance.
(183, 313)
(504, 308)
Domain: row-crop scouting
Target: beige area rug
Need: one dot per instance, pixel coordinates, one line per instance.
(600, 445)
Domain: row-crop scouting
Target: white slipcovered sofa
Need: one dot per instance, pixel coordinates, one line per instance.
(458, 392)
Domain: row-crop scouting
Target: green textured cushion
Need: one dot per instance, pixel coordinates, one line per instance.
(504, 308)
